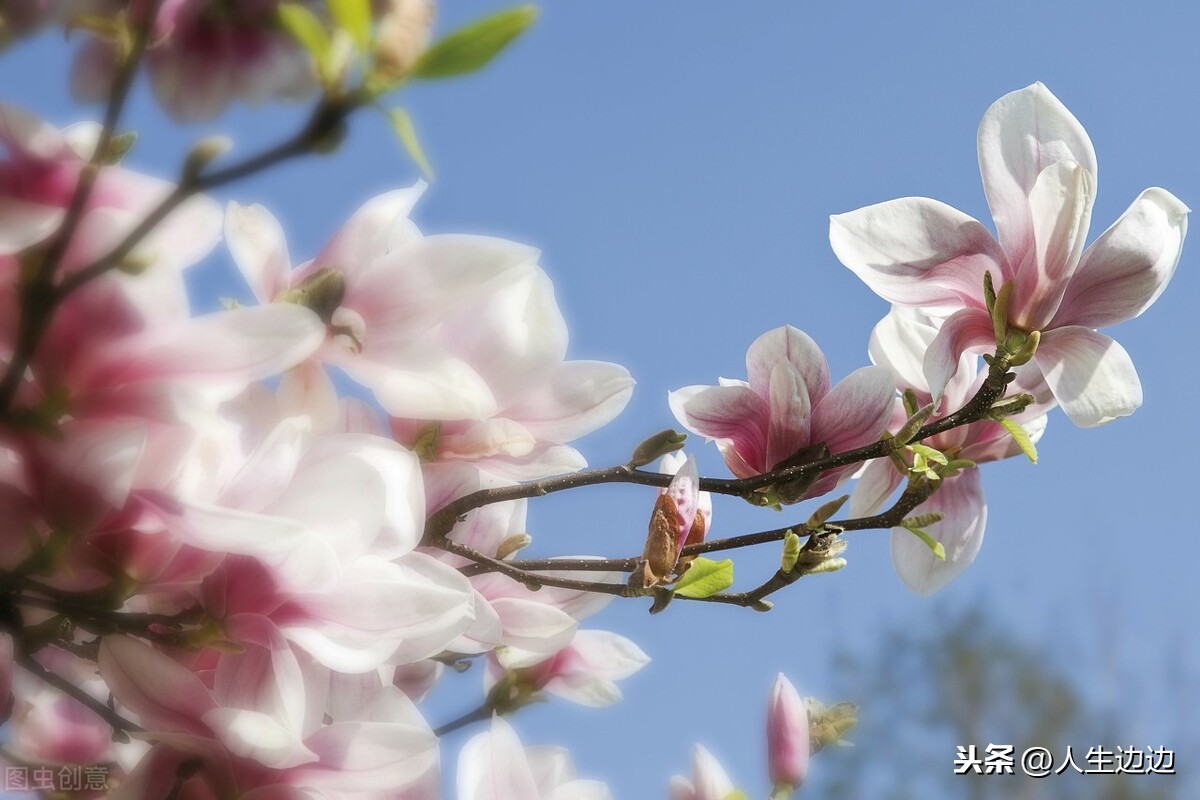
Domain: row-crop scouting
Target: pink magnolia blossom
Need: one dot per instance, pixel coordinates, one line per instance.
(458, 336)
(38, 180)
(583, 672)
(258, 727)
(495, 766)
(787, 410)
(709, 780)
(204, 55)
(1039, 175)
(899, 343)
(787, 735)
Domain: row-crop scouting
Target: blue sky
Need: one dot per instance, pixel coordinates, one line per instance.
(677, 162)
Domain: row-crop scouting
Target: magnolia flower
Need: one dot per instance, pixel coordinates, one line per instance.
(787, 412)
(584, 672)
(458, 337)
(787, 735)
(261, 725)
(709, 780)
(206, 54)
(494, 766)
(1039, 175)
(38, 180)
(898, 343)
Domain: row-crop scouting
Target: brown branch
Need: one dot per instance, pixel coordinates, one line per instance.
(119, 724)
(440, 523)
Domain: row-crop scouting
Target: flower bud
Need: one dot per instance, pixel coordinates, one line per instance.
(403, 37)
(657, 445)
(787, 735)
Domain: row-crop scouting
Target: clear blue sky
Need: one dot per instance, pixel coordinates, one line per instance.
(677, 162)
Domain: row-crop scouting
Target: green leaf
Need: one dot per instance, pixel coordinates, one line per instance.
(736, 794)
(791, 552)
(930, 453)
(933, 544)
(471, 47)
(407, 134)
(306, 29)
(1020, 437)
(354, 17)
(705, 578)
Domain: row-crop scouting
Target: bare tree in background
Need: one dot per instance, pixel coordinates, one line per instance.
(972, 682)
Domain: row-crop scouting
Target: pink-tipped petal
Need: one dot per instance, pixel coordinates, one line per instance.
(856, 411)
(918, 252)
(1061, 206)
(967, 332)
(732, 414)
(790, 415)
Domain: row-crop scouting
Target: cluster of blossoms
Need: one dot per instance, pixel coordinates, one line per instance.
(219, 538)
(178, 485)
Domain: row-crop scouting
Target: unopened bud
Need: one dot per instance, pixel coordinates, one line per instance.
(119, 145)
(1013, 405)
(791, 552)
(822, 514)
(403, 37)
(656, 446)
(205, 151)
(514, 543)
(762, 605)
(913, 425)
(989, 291)
(1000, 312)
(829, 565)
(1026, 351)
(922, 520)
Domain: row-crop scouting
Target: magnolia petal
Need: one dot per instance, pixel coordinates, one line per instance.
(420, 382)
(606, 654)
(709, 777)
(734, 414)
(1061, 206)
(1092, 377)
(258, 736)
(492, 766)
(1124, 271)
(24, 224)
(372, 230)
(374, 758)
(221, 352)
(580, 397)
(856, 411)
(790, 414)
(259, 248)
(918, 252)
(965, 332)
(997, 443)
(165, 695)
(960, 532)
(1022, 134)
(533, 625)
(787, 345)
(877, 482)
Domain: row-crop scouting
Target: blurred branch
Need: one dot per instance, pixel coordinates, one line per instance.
(38, 296)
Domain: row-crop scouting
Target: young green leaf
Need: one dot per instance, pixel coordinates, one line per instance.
(354, 17)
(471, 47)
(306, 29)
(1020, 437)
(705, 577)
(930, 453)
(407, 134)
(736, 794)
(933, 544)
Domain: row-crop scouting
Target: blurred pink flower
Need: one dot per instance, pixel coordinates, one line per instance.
(787, 735)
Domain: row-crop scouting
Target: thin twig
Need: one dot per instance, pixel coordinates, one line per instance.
(118, 723)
